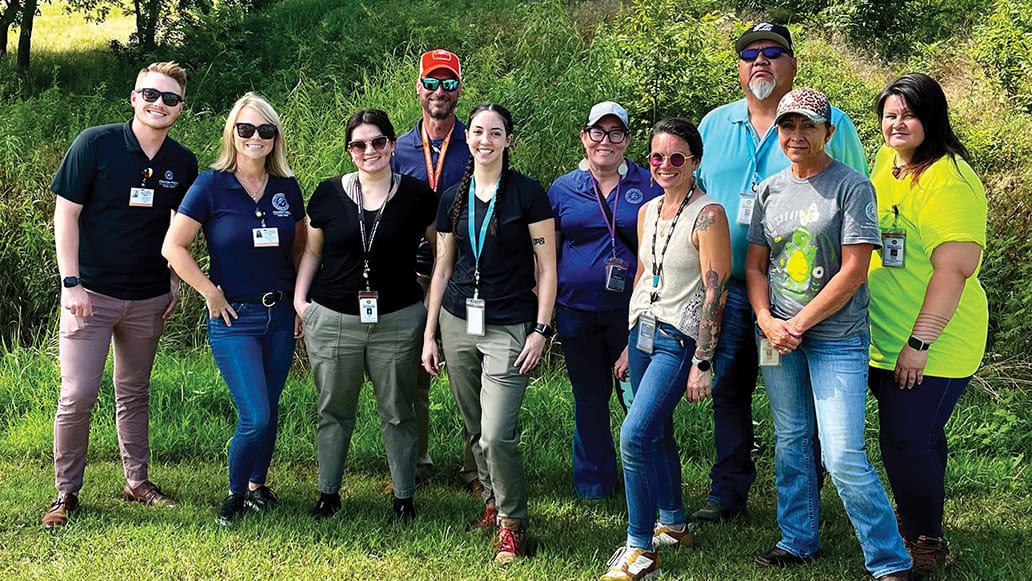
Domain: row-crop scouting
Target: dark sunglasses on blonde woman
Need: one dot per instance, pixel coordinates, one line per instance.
(265, 130)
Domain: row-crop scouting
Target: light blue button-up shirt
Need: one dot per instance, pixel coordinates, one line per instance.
(735, 160)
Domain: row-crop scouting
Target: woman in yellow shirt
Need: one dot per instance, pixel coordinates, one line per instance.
(929, 314)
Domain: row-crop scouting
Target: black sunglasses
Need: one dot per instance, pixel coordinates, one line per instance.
(168, 98)
(378, 143)
(597, 134)
(265, 130)
(770, 52)
(431, 84)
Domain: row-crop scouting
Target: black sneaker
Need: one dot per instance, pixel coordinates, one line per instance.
(404, 510)
(261, 499)
(232, 508)
(327, 506)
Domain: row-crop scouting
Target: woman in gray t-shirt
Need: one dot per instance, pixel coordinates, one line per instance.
(813, 230)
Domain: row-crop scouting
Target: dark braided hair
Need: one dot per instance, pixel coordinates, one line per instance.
(462, 194)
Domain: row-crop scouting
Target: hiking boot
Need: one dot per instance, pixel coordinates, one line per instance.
(508, 541)
(261, 499)
(488, 521)
(148, 493)
(475, 487)
(404, 510)
(60, 508)
(712, 512)
(670, 535)
(232, 508)
(327, 506)
(927, 553)
(632, 564)
(779, 558)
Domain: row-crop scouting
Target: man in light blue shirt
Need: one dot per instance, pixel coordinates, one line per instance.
(741, 145)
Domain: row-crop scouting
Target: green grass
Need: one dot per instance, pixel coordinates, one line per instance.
(191, 423)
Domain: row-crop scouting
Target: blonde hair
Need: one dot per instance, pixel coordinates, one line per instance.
(170, 69)
(276, 161)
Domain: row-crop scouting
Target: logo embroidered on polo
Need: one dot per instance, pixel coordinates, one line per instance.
(634, 196)
(280, 205)
(169, 181)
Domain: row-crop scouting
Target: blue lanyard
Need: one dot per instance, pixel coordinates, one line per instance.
(477, 243)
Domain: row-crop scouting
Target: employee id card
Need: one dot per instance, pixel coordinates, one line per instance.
(265, 237)
(367, 310)
(646, 332)
(616, 275)
(141, 197)
(475, 317)
(769, 357)
(746, 202)
(894, 248)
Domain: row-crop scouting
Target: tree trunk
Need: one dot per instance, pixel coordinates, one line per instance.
(25, 38)
(147, 14)
(6, 20)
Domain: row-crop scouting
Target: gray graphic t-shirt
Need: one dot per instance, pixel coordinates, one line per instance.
(805, 223)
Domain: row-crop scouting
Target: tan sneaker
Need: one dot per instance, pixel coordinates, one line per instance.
(148, 493)
(668, 535)
(631, 564)
(57, 514)
(508, 541)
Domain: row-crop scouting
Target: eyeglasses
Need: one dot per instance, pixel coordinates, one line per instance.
(597, 134)
(265, 130)
(431, 84)
(378, 143)
(769, 52)
(167, 97)
(676, 159)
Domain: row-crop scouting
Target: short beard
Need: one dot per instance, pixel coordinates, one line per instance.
(761, 88)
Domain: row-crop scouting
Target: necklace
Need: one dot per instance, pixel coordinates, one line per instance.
(255, 193)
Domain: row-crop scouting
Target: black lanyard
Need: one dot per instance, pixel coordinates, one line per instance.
(657, 264)
(367, 243)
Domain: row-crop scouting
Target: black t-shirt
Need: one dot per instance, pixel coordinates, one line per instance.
(119, 244)
(392, 259)
(507, 259)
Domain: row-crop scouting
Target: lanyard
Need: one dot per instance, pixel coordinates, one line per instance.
(477, 243)
(367, 243)
(605, 215)
(657, 265)
(433, 174)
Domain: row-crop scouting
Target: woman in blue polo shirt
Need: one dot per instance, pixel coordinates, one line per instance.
(252, 213)
(596, 216)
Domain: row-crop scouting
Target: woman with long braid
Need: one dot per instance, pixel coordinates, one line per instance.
(495, 243)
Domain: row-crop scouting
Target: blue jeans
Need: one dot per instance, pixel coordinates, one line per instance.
(592, 342)
(824, 383)
(254, 356)
(913, 445)
(651, 465)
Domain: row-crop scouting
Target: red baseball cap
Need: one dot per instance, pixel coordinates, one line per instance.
(439, 59)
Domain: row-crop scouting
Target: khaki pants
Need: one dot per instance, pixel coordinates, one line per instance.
(489, 390)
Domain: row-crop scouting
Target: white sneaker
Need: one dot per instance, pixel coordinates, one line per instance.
(631, 564)
(669, 535)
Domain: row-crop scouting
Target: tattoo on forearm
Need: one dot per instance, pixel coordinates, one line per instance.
(712, 312)
(538, 241)
(929, 326)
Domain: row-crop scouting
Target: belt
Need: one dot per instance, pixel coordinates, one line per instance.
(266, 299)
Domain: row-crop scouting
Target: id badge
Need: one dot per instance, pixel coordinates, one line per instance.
(475, 317)
(769, 357)
(141, 197)
(746, 202)
(893, 248)
(646, 332)
(367, 312)
(616, 275)
(265, 237)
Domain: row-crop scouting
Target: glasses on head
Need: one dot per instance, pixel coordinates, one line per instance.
(676, 159)
(167, 97)
(265, 130)
(378, 143)
(431, 84)
(597, 134)
(769, 52)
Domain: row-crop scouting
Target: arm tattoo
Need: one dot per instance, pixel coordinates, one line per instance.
(706, 218)
(712, 311)
(539, 241)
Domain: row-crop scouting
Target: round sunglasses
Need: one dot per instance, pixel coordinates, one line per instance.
(265, 130)
(676, 159)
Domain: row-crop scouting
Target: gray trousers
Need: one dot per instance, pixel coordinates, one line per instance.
(489, 390)
(342, 350)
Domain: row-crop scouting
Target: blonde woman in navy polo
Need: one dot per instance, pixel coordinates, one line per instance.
(252, 213)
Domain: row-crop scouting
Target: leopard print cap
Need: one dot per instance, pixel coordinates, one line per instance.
(809, 103)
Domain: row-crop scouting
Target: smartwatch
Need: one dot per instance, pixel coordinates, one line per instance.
(702, 364)
(70, 281)
(544, 329)
(918, 344)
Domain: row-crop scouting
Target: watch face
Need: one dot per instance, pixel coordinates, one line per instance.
(70, 281)
(703, 365)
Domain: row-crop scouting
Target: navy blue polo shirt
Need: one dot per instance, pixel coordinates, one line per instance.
(119, 244)
(586, 242)
(227, 215)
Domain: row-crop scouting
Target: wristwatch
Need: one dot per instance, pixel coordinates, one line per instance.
(70, 281)
(702, 364)
(544, 329)
(918, 344)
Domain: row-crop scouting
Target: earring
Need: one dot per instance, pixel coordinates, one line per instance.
(652, 181)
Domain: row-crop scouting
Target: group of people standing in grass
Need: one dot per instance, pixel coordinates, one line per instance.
(753, 242)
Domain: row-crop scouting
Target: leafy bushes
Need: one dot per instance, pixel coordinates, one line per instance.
(1004, 49)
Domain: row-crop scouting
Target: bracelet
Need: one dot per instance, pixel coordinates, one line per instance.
(544, 329)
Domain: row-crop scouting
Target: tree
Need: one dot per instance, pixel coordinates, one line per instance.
(10, 16)
(151, 15)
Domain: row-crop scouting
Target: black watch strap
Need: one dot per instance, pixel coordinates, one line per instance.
(918, 344)
(70, 281)
(544, 329)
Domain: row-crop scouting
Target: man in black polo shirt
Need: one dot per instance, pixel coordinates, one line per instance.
(117, 189)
